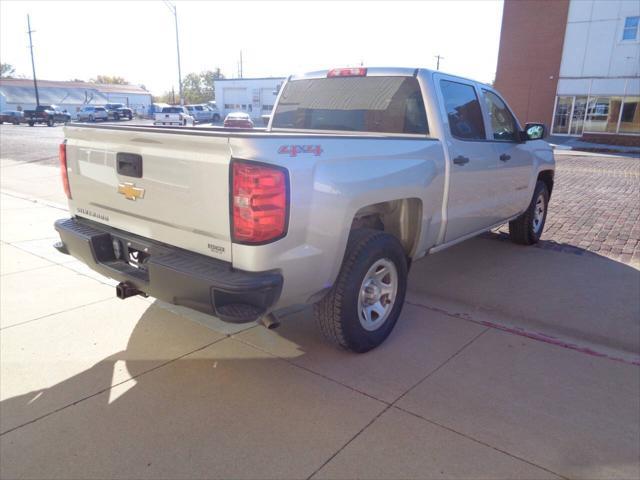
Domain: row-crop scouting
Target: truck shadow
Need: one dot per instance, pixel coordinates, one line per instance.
(555, 289)
(216, 412)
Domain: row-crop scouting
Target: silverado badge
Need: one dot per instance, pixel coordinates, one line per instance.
(130, 191)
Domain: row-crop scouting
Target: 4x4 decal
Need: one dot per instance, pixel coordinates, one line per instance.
(295, 150)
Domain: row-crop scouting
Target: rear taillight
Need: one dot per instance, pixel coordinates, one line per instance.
(63, 169)
(259, 200)
(347, 72)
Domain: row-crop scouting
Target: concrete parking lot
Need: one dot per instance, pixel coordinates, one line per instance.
(507, 362)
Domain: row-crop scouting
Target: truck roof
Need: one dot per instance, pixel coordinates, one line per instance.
(383, 72)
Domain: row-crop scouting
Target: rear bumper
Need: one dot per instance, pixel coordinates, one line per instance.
(172, 274)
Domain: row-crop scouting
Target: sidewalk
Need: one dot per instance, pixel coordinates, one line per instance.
(562, 143)
(95, 387)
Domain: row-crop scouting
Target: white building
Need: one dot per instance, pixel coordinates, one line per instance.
(255, 96)
(599, 84)
(19, 94)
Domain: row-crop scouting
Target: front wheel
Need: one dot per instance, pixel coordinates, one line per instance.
(362, 307)
(527, 228)
(31, 123)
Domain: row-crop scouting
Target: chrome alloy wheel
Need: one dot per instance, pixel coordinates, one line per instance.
(377, 294)
(538, 213)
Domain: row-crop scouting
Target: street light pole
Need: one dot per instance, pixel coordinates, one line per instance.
(33, 63)
(439, 57)
(174, 11)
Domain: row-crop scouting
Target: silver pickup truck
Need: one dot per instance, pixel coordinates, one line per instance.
(359, 173)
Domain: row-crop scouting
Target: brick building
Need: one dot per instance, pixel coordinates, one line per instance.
(573, 65)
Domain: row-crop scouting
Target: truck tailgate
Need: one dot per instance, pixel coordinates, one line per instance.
(180, 197)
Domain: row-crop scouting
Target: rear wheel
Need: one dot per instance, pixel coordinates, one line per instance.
(31, 123)
(50, 122)
(116, 116)
(362, 307)
(130, 116)
(527, 228)
(91, 118)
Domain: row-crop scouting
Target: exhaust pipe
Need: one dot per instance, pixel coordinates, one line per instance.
(269, 321)
(126, 290)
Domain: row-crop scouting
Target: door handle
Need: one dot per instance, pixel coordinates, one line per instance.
(460, 160)
(504, 157)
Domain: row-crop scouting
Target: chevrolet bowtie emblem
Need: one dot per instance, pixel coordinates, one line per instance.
(130, 191)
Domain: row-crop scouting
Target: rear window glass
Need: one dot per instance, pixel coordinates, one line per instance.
(463, 110)
(358, 104)
(172, 110)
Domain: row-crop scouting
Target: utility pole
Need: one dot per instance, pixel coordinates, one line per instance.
(33, 63)
(174, 11)
(439, 57)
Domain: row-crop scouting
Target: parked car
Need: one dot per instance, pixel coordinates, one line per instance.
(49, 114)
(116, 111)
(238, 120)
(12, 116)
(174, 115)
(215, 113)
(200, 113)
(93, 113)
(360, 173)
(155, 108)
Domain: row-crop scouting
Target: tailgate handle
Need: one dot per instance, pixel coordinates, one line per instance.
(129, 164)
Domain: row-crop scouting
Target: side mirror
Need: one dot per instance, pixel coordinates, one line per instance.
(533, 131)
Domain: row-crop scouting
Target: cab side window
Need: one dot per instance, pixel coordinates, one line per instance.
(503, 124)
(463, 110)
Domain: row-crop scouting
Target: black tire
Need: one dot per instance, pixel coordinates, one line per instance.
(337, 313)
(50, 123)
(130, 116)
(116, 116)
(31, 123)
(184, 122)
(91, 118)
(527, 228)
(216, 118)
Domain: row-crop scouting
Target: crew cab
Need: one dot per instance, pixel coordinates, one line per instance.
(48, 114)
(173, 115)
(200, 113)
(116, 111)
(360, 172)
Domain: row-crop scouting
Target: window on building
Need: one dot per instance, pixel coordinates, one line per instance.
(561, 117)
(630, 31)
(630, 117)
(503, 124)
(602, 114)
(463, 110)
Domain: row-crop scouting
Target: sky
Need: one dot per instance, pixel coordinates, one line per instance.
(136, 39)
